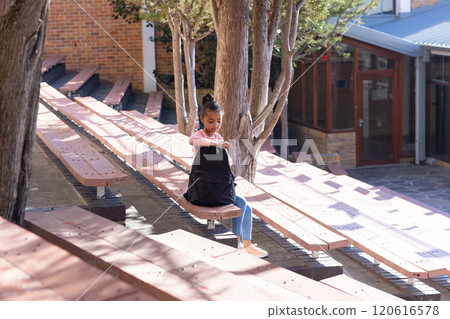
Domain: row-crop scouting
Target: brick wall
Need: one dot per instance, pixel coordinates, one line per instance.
(342, 144)
(419, 3)
(72, 32)
(164, 60)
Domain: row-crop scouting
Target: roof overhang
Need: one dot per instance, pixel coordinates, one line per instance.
(385, 40)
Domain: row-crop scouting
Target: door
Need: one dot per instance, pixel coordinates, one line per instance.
(439, 121)
(375, 119)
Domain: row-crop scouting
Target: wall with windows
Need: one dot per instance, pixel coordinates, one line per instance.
(323, 98)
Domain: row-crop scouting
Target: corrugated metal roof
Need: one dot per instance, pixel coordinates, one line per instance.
(427, 27)
(422, 26)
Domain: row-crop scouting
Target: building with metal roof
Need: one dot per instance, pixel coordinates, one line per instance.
(388, 101)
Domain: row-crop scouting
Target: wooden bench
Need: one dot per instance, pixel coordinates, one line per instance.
(118, 96)
(33, 269)
(87, 165)
(336, 169)
(204, 249)
(154, 103)
(176, 146)
(424, 226)
(53, 68)
(155, 267)
(366, 224)
(358, 289)
(83, 83)
(377, 248)
(136, 154)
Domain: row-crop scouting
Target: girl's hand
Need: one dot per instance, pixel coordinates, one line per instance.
(226, 145)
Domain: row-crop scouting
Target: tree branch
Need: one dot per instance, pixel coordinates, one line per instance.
(213, 4)
(204, 35)
(300, 4)
(274, 18)
(272, 100)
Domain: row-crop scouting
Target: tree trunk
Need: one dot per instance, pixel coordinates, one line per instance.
(280, 93)
(231, 79)
(178, 77)
(189, 57)
(284, 148)
(262, 54)
(22, 36)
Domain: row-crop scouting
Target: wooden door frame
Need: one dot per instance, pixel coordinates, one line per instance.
(396, 115)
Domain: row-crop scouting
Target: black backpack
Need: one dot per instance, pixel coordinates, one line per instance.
(211, 182)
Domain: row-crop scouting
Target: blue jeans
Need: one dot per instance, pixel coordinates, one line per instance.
(242, 225)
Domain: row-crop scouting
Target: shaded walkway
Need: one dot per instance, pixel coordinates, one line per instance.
(426, 183)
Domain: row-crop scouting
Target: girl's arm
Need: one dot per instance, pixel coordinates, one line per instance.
(198, 140)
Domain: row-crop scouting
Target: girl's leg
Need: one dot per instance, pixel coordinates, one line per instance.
(247, 223)
(242, 227)
(237, 222)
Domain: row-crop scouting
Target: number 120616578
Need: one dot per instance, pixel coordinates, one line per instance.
(406, 310)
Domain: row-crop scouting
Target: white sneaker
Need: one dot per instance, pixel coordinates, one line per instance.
(240, 245)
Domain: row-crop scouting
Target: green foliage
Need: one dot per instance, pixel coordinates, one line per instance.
(126, 9)
(321, 22)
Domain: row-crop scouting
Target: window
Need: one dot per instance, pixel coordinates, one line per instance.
(384, 7)
(372, 61)
(439, 68)
(409, 107)
(309, 91)
(342, 102)
(321, 89)
(439, 106)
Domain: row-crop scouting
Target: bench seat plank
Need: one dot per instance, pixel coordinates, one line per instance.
(129, 253)
(358, 289)
(83, 161)
(405, 220)
(152, 133)
(301, 229)
(51, 61)
(50, 270)
(153, 106)
(81, 78)
(424, 232)
(17, 285)
(177, 147)
(171, 180)
(347, 221)
(118, 91)
(228, 259)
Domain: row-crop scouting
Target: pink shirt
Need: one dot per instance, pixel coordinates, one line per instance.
(200, 138)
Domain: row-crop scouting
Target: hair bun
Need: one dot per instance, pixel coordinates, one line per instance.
(207, 98)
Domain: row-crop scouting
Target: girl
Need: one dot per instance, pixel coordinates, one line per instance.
(211, 117)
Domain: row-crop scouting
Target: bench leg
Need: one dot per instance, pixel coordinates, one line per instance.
(315, 254)
(211, 224)
(100, 192)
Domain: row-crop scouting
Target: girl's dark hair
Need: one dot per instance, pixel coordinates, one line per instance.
(209, 104)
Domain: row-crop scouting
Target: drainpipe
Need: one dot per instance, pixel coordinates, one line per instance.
(148, 55)
(420, 107)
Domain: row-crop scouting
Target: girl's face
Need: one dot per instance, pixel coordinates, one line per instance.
(212, 121)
